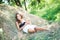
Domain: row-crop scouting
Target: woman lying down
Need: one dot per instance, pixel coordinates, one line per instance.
(26, 26)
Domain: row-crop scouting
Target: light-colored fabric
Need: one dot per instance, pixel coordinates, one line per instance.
(29, 26)
(23, 21)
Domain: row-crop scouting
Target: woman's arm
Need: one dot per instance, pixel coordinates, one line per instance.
(17, 25)
(28, 21)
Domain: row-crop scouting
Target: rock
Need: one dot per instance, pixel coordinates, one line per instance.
(7, 23)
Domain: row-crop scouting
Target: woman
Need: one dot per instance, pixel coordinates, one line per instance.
(26, 26)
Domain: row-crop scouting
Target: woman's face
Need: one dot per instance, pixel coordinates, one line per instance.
(18, 17)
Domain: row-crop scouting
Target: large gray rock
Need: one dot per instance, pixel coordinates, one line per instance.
(7, 23)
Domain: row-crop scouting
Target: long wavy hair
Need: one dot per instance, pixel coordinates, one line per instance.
(17, 18)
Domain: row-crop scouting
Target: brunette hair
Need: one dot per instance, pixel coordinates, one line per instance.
(17, 19)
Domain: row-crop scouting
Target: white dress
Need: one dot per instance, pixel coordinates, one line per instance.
(28, 26)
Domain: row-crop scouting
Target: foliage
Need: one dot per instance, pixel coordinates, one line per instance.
(47, 9)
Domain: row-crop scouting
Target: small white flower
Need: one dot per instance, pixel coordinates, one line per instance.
(1, 30)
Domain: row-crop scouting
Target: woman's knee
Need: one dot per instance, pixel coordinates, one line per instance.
(31, 31)
(35, 29)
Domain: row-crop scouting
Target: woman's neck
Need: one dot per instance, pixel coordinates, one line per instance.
(21, 20)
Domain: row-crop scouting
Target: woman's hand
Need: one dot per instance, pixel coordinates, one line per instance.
(28, 22)
(20, 28)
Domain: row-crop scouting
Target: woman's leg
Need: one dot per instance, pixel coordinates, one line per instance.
(31, 30)
(40, 29)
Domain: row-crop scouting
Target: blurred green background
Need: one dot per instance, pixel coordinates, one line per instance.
(47, 9)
